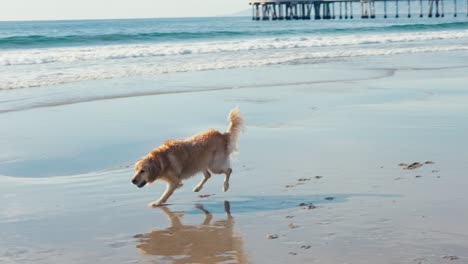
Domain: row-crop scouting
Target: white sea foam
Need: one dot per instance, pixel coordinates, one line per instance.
(57, 75)
(41, 67)
(118, 52)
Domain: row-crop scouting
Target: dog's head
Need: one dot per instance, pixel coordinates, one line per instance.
(146, 171)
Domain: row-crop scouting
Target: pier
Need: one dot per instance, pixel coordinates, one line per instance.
(343, 9)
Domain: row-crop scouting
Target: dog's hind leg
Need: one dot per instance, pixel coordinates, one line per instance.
(169, 190)
(206, 176)
(222, 164)
(226, 179)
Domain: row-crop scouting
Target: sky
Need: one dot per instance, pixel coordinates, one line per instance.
(102, 9)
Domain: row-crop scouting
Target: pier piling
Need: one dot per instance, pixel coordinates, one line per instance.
(396, 8)
(421, 8)
(346, 10)
(454, 8)
(409, 9)
(364, 13)
(385, 8)
(341, 16)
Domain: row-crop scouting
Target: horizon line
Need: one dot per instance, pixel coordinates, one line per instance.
(122, 18)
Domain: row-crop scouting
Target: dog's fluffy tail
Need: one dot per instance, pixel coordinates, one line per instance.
(236, 123)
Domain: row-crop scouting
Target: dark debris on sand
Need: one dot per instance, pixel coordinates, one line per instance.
(293, 226)
(273, 236)
(451, 257)
(205, 195)
(301, 181)
(307, 206)
(419, 260)
(414, 165)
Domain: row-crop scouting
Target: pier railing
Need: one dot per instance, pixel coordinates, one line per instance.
(343, 9)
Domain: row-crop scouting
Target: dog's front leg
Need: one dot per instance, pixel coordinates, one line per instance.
(206, 176)
(170, 188)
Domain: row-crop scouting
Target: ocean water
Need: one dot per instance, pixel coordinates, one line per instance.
(49, 53)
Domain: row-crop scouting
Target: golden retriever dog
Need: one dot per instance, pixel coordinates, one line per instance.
(177, 160)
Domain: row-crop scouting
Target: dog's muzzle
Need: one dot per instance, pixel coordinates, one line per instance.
(139, 185)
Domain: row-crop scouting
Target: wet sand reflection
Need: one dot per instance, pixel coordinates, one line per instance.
(205, 243)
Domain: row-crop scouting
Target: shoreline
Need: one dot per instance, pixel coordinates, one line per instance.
(74, 89)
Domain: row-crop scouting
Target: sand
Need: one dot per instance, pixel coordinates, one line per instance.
(316, 180)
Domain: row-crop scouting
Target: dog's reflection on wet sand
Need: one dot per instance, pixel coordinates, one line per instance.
(209, 242)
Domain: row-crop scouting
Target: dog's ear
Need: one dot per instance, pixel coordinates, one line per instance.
(160, 158)
(162, 162)
(154, 169)
(138, 163)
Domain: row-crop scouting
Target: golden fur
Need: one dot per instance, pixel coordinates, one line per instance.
(177, 160)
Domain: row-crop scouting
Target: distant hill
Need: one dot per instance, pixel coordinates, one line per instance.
(243, 13)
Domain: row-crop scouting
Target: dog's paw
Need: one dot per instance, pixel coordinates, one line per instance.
(197, 188)
(155, 204)
(226, 187)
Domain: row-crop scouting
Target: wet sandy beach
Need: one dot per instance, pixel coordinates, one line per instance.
(317, 178)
